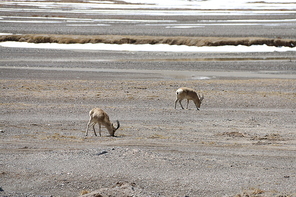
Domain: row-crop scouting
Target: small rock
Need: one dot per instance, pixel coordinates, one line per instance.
(102, 153)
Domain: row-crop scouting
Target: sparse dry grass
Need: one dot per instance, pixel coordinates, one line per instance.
(158, 136)
(128, 39)
(57, 136)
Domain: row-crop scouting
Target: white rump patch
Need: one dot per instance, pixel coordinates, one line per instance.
(179, 91)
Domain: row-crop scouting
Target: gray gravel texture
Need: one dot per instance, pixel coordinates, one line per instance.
(242, 137)
(240, 143)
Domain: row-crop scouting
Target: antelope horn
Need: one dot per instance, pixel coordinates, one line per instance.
(118, 125)
(201, 97)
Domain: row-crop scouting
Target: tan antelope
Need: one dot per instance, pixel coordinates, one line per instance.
(97, 115)
(189, 94)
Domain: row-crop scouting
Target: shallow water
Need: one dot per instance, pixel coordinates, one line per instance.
(154, 4)
(174, 74)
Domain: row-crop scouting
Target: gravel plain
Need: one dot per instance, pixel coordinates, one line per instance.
(242, 141)
(242, 138)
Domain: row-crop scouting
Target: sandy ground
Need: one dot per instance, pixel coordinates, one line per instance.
(242, 140)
